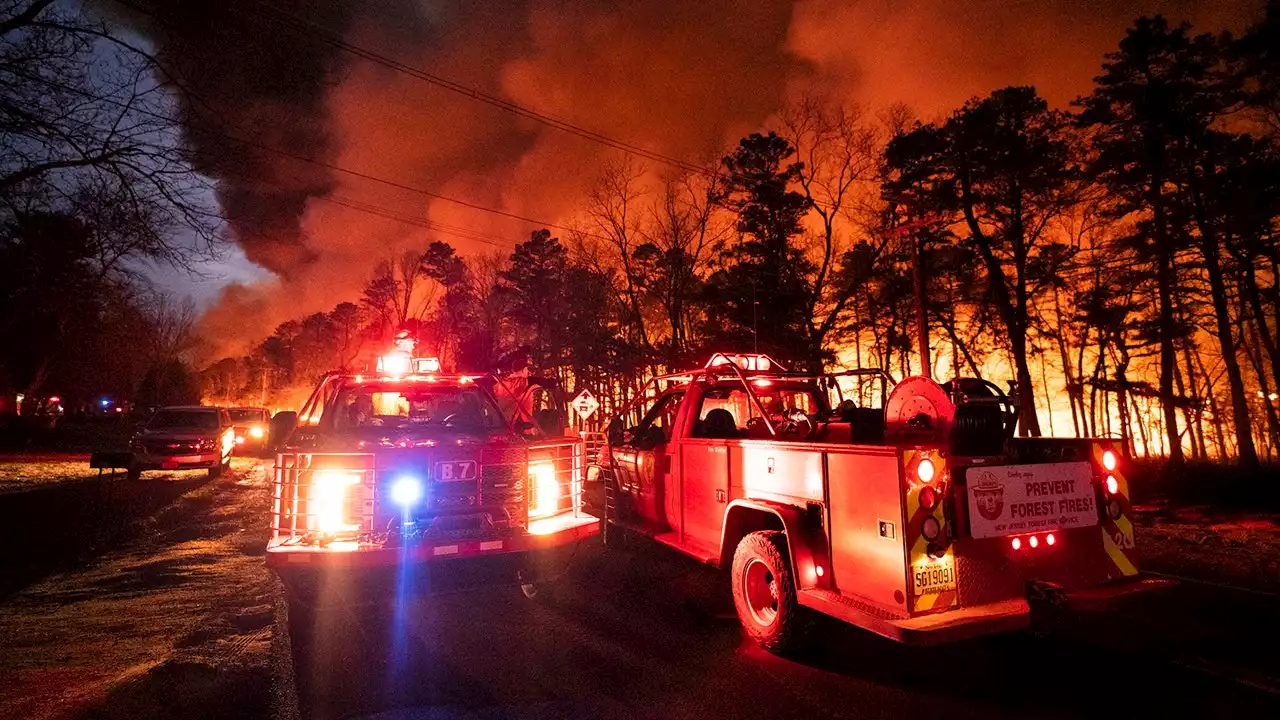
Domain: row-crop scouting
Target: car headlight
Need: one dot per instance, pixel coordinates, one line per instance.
(328, 501)
(544, 490)
(256, 432)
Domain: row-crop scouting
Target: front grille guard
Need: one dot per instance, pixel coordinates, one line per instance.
(565, 463)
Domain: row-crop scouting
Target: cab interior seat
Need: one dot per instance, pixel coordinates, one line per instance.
(719, 424)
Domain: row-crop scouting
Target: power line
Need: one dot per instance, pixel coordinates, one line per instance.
(416, 221)
(315, 30)
(306, 159)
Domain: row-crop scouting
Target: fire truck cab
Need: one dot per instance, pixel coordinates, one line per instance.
(403, 475)
(913, 513)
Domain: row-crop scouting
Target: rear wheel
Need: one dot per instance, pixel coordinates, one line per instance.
(764, 591)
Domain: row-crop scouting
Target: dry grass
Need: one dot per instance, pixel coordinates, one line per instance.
(1240, 548)
(24, 475)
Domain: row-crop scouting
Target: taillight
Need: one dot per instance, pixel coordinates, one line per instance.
(930, 528)
(1109, 461)
(928, 498)
(925, 470)
(1032, 541)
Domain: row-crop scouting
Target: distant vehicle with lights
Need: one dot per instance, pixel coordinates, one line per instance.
(914, 513)
(252, 426)
(183, 437)
(396, 477)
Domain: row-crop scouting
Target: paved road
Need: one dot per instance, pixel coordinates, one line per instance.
(186, 622)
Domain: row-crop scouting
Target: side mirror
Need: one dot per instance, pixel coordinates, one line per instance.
(615, 432)
(283, 424)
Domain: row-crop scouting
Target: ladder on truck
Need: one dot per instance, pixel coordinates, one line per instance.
(595, 451)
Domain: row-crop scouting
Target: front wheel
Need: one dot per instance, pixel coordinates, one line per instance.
(764, 591)
(134, 473)
(215, 472)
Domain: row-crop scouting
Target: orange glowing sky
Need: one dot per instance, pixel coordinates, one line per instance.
(684, 79)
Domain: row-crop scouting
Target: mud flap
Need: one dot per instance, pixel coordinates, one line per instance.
(1048, 603)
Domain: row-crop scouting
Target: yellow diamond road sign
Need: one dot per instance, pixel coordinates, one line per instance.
(585, 404)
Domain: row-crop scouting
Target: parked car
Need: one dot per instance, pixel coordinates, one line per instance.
(191, 437)
(252, 428)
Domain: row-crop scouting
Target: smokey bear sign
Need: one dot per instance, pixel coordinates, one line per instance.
(1012, 499)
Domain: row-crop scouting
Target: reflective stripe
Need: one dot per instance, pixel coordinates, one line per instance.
(445, 550)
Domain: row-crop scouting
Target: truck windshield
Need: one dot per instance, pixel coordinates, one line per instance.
(777, 401)
(184, 420)
(247, 415)
(401, 407)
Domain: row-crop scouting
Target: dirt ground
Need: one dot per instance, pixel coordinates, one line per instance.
(179, 618)
(161, 626)
(1239, 548)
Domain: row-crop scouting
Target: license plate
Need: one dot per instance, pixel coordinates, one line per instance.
(169, 465)
(933, 576)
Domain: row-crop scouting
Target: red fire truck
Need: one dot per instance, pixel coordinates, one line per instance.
(914, 513)
(398, 478)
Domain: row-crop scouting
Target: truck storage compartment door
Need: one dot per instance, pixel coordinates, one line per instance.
(866, 528)
(704, 483)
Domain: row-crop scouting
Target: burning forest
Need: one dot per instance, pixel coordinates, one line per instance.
(1106, 246)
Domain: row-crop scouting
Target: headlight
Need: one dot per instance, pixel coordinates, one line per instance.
(256, 432)
(544, 491)
(328, 501)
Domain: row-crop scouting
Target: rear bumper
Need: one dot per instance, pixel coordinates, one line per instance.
(978, 620)
(544, 534)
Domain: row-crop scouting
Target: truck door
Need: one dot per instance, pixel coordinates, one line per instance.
(704, 462)
(645, 466)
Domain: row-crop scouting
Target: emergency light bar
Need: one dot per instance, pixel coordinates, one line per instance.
(398, 363)
(754, 362)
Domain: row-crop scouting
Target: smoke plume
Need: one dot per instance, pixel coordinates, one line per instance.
(683, 79)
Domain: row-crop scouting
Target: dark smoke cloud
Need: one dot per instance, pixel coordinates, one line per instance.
(683, 78)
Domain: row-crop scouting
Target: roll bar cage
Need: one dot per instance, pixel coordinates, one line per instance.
(732, 370)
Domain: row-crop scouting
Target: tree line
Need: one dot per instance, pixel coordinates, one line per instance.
(1116, 260)
(96, 187)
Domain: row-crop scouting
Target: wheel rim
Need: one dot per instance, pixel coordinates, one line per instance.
(760, 588)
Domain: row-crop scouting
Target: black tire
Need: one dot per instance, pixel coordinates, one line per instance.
(764, 592)
(134, 473)
(215, 472)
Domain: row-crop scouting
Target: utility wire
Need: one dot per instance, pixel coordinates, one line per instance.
(306, 159)
(317, 31)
